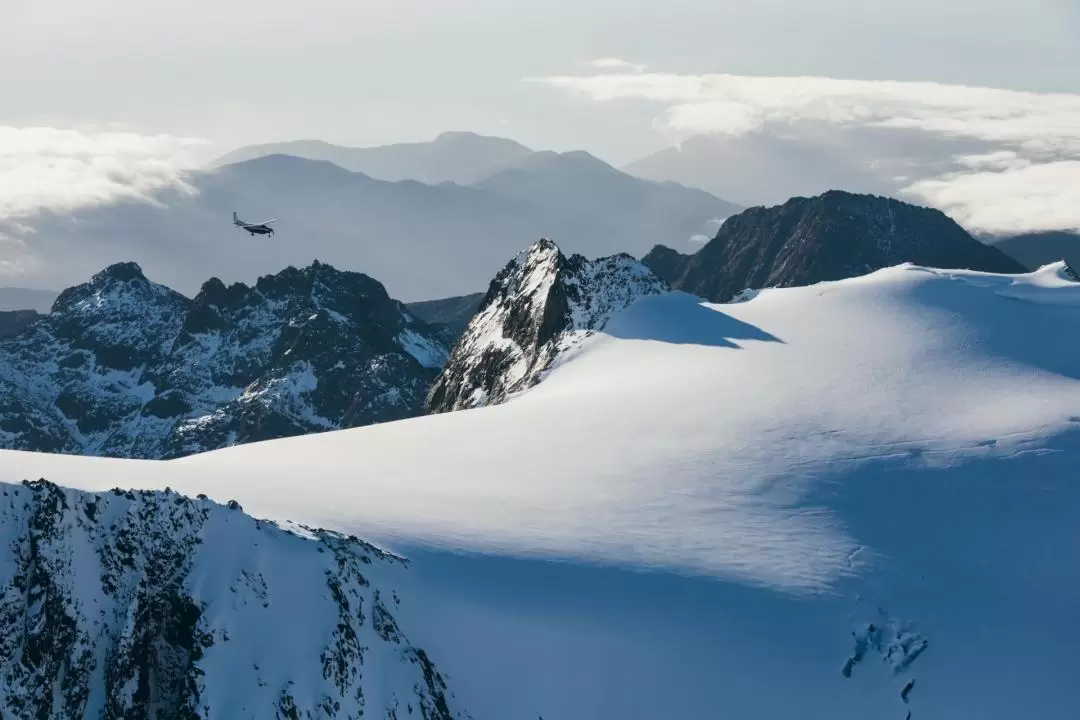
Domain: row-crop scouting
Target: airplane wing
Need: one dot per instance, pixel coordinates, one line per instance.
(266, 222)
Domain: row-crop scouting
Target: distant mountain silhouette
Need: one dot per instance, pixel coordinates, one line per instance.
(833, 236)
(454, 313)
(458, 157)
(422, 241)
(1042, 248)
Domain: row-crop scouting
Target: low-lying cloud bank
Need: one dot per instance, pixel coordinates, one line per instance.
(44, 168)
(1029, 178)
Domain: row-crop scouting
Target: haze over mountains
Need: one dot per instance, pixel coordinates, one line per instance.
(457, 157)
(15, 298)
(836, 455)
(423, 241)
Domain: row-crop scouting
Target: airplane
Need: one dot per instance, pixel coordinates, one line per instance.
(262, 228)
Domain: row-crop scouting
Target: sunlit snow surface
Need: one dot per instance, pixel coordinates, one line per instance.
(905, 439)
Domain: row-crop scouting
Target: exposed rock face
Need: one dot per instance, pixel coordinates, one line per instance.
(537, 307)
(829, 237)
(126, 367)
(154, 605)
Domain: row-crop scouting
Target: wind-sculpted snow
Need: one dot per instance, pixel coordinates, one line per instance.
(781, 466)
(541, 305)
(126, 367)
(152, 604)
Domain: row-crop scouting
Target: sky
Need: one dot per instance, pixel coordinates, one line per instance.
(138, 91)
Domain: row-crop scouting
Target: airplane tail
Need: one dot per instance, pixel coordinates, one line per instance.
(235, 219)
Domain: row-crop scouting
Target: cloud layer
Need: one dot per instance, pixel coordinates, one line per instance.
(1027, 181)
(44, 168)
(611, 63)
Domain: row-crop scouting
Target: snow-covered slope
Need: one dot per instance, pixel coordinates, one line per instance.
(538, 307)
(154, 605)
(126, 367)
(837, 489)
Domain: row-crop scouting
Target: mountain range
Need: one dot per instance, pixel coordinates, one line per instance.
(424, 241)
(456, 157)
(846, 500)
(126, 367)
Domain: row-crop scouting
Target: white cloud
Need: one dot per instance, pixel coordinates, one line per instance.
(1016, 199)
(1028, 180)
(15, 257)
(44, 168)
(737, 104)
(610, 63)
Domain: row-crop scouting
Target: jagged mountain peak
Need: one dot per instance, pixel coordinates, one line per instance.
(540, 305)
(319, 279)
(122, 271)
(831, 236)
(126, 367)
(120, 285)
(153, 604)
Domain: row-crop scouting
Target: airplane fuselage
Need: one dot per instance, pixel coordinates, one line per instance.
(258, 229)
(262, 228)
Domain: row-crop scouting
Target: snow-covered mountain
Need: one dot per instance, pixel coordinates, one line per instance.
(832, 236)
(538, 307)
(848, 500)
(126, 367)
(154, 605)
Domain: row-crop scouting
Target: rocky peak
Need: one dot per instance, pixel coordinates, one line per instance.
(126, 367)
(832, 236)
(538, 306)
(141, 604)
(121, 286)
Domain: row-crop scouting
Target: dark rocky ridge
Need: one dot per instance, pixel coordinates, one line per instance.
(832, 236)
(137, 604)
(539, 305)
(126, 367)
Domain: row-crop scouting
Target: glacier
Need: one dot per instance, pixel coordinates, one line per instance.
(710, 509)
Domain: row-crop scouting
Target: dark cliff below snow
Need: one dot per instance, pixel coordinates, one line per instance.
(144, 604)
(126, 367)
(832, 236)
(538, 306)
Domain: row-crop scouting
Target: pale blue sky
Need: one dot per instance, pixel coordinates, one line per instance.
(363, 73)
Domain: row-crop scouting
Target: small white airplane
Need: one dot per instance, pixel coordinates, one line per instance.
(262, 228)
